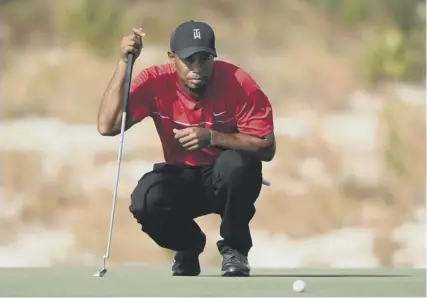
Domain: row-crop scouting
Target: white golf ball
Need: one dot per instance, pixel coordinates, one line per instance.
(299, 286)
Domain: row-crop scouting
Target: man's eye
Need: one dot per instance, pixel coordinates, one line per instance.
(201, 59)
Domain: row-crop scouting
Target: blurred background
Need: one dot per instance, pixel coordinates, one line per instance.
(347, 82)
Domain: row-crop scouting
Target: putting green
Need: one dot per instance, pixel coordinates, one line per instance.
(155, 281)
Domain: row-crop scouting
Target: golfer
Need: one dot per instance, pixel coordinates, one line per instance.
(216, 127)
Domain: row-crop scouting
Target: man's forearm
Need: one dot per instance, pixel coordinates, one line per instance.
(109, 113)
(264, 148)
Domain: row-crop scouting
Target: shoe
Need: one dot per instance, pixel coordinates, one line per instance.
(234, 263)
(186, 264)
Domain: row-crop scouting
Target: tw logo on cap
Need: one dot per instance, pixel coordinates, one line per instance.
(196, 34)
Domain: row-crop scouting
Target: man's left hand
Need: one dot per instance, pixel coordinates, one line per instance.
(193, 138)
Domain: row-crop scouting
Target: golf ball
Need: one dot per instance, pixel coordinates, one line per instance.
(299, 286)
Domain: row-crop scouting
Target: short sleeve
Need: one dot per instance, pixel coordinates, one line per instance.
(254, 114)
(140, 96)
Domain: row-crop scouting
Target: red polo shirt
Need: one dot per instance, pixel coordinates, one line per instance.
(233, 103)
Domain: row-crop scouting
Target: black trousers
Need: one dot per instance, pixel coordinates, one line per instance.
(168, 199)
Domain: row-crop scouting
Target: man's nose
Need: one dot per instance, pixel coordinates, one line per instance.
(196, 65)
(196, 68)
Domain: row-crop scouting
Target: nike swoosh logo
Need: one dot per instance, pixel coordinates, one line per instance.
(217, 114)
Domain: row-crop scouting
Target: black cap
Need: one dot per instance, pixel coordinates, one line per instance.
(192, 37)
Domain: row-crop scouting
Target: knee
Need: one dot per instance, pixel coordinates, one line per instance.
(140, 198)
(148, 205)
(237, 167)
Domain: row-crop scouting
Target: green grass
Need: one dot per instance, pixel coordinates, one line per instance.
(155, 281)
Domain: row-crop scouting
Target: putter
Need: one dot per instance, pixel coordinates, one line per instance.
(128, 76)
(265, 182)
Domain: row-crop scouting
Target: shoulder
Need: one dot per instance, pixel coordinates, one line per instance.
(240, 77)
(156, 72)
(153, 78)
(243, 85)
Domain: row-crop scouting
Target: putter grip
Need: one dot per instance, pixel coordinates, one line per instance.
(128, 78)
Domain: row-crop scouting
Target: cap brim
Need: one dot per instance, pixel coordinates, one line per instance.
(187, 52)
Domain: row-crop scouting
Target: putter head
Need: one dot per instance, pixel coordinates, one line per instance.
(100, 272)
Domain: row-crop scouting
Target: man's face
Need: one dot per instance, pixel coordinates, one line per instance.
(195, 70)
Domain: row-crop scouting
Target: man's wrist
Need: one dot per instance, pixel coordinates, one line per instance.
(121, 65)
(213, 135)
(123, 61)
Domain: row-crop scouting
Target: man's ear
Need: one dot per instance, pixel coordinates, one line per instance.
(171, 56)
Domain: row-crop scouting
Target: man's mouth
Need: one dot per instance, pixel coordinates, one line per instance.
(195, 79)
(194, 76)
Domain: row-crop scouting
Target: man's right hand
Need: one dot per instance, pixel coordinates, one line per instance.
(131, 43)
